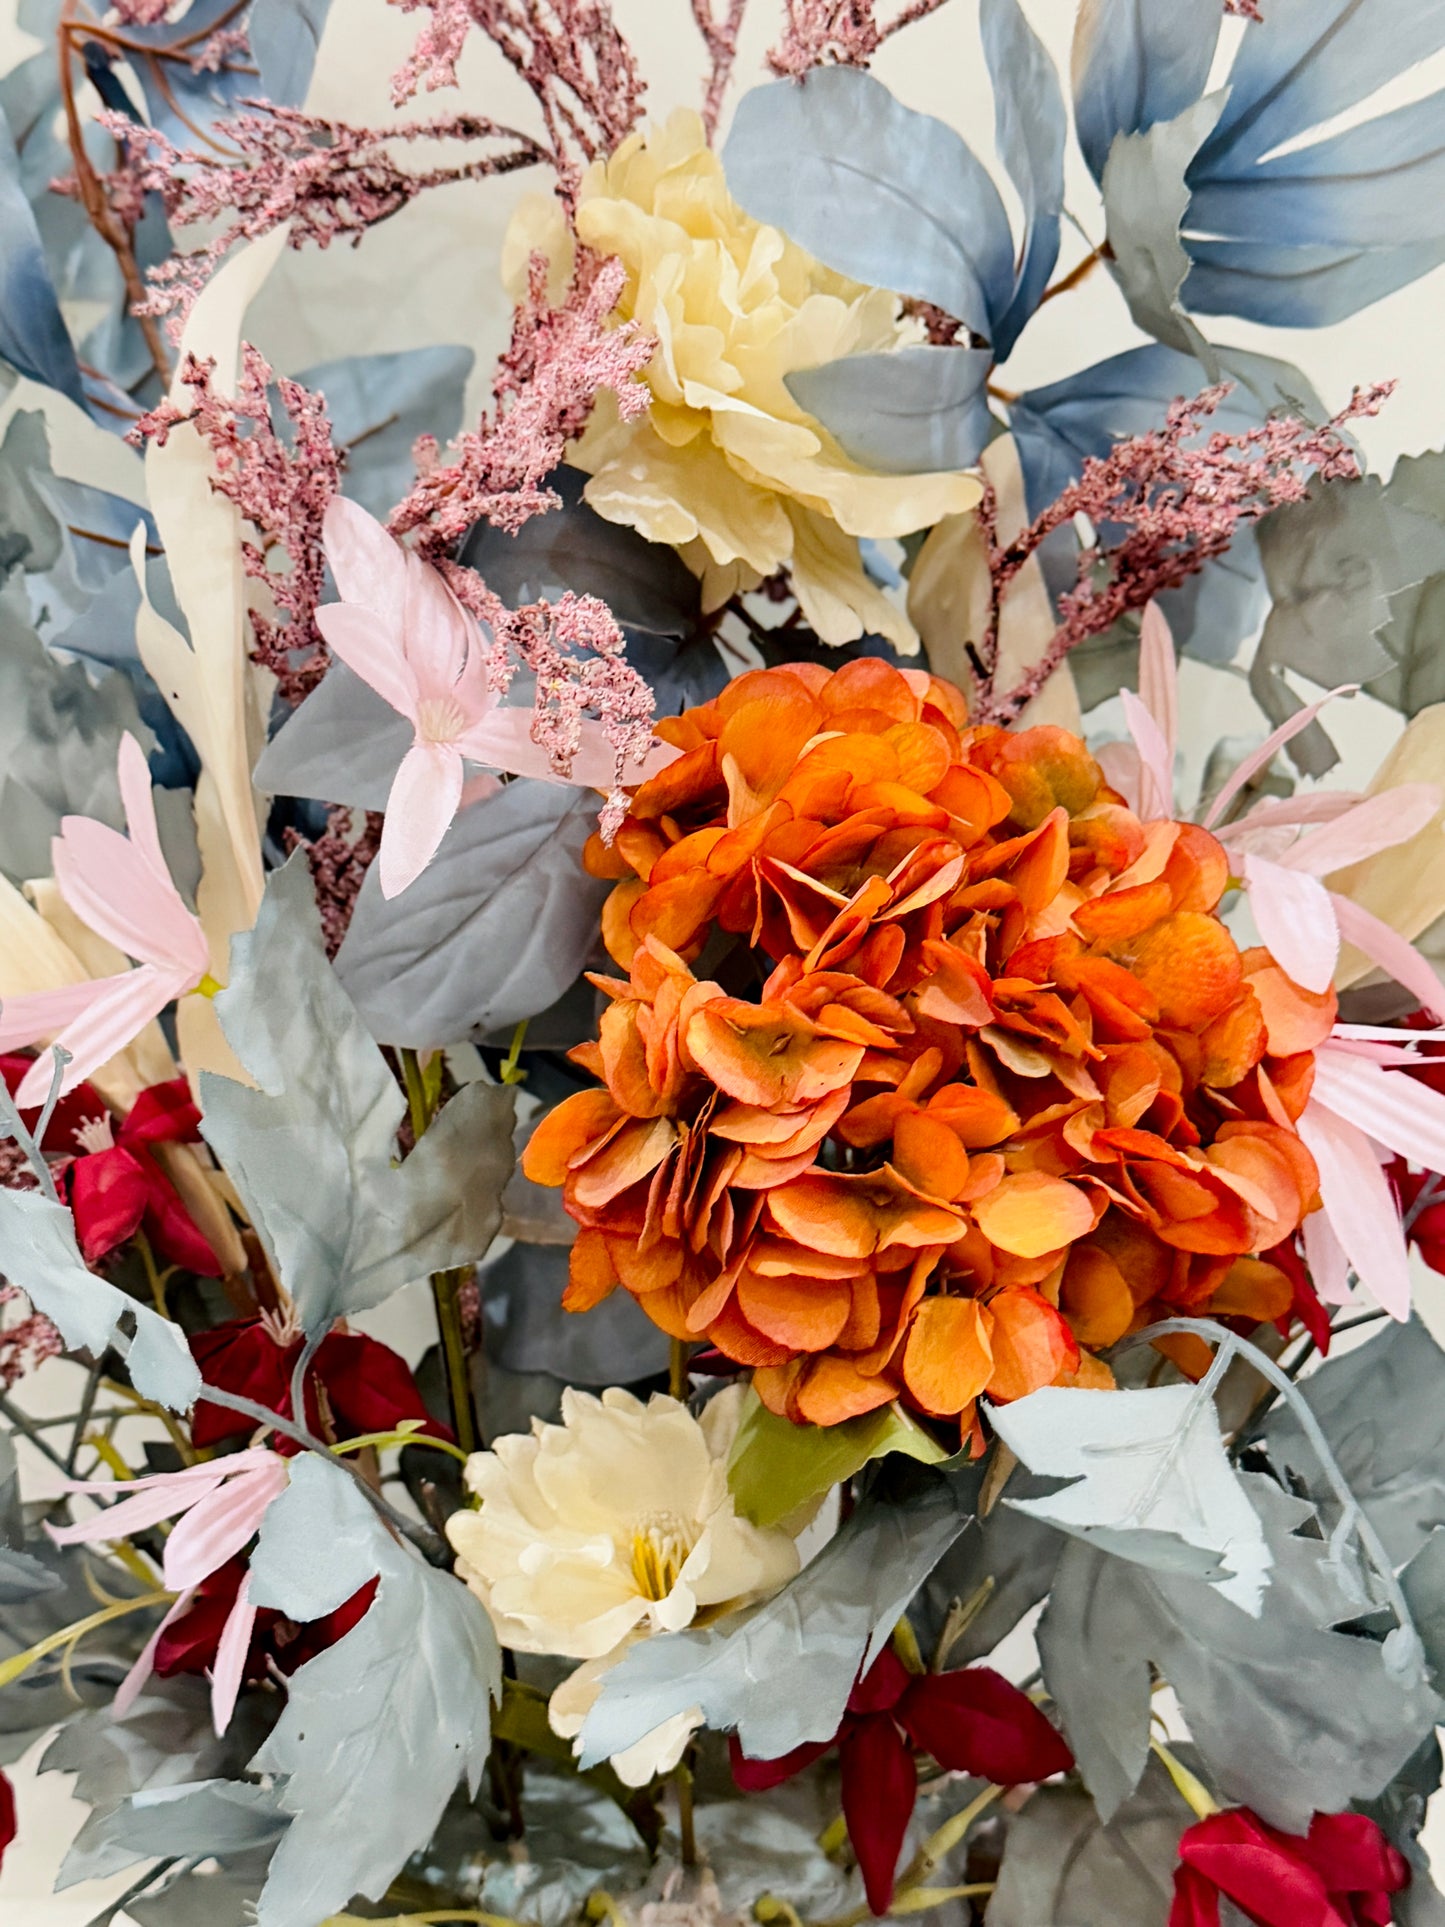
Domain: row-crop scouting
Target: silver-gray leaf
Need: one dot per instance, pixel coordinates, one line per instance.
(911, 411)
(342, 745)
(311, 1151)
(493, 930)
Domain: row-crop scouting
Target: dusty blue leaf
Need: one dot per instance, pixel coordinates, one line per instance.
(1150, 1481)
(311, 1151)
(495, 928)
(224, 1896)
(890, 196)
(646, 585)
(183, 102)
(342, 745)
(380, 1727)
(912, 411)
(1145, 201)
(33, 335)
(209, 1819)
(1030, 128)
(1423, 1584)
(38, 1253)
(379, 404)
(285, 35)
(781, 1674)
(1136, 62)
(1009, 1554)
(1307, 236)
(286, 1573)
(615, 1343)
(1063, 1867)
(21, 1576)
(1291, 1715)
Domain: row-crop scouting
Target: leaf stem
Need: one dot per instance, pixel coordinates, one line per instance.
(686, 1827)
(423, 1092)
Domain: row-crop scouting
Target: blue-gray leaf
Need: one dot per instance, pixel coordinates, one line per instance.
(894, 198)
(380, 1727)
(1136, 62)
(285, 35)
(379, 404)
(912, 411)
(311, 1151)
(33, 335)
(493, 930)
(1030, 128)
(342, 745)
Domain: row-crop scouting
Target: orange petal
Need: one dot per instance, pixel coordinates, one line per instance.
(929, 1155)
(633, 1154)
(590, 1274)
(948, 1359)
(805, 1314)
(1295, 1020)
(1191, 964)
(1233, 1043)
(617, 931)
(1032, 1345)
(1123, 913)
(1095, 1298)
(978, 1118)
(577, 1121)
(766, 1055)
(833, 1389)
(735, 1338)
(1031, 1213)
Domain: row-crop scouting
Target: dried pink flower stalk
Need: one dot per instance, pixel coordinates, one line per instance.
(212, 54)
(546, 385)
(1177, 507)
(140, 13)
(843, 33)
(720, 37)
(280, 486)
(541, 637)
(1245, 10)
(581, 71)
(28, 1342)
(340, 858)
(328, 180)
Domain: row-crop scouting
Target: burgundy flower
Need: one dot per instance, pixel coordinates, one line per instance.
(188, 1644)
(1340, 1874)
(971, 1721)
(112, 1181)
(367, 1386)
(8, 1825)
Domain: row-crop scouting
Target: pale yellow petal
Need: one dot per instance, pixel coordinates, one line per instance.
(835, 592)
(1405, 886)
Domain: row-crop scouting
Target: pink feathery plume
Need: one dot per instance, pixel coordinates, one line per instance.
(546, 386)
(402, 630)
(570, 53)
(1178, 503)
(281, 487)
(220, 1506)
(842, 33)
(322, 179)
(720, 37)
(339, 859)
(32, 1338)
(120, 887)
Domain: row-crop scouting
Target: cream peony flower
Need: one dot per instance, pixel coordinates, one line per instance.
(725, 465)
(612, 1525)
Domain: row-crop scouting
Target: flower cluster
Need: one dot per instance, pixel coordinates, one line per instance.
(1006, 1091)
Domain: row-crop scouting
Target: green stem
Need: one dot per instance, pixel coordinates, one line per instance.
(422, 1094)
(678, 1356)
(686, 1831)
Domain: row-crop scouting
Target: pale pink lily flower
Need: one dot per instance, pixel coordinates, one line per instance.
(402, 630)
(120, 886)
(224, 1502)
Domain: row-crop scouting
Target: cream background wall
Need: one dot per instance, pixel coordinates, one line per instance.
(430, 275)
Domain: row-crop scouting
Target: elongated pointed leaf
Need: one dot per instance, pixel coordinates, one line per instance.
(344, 744)
(312, 1150)
(1030, 128)
(33, 335)
(1136, 62)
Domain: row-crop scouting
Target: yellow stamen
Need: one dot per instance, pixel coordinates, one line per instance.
(659, 1553)
(209, 986)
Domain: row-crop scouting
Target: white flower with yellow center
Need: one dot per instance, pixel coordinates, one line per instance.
(615, 1524)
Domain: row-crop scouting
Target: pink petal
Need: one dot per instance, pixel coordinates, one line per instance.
(1265, 754)
(1159, 686)
(1295, 920)
(134, 778)
(38, 1014)
(111, 884)
(1328, 1266)
(142, 1509)
(439, 634)
(1360, 1205)
(373, 648)
(1156, 764)
(368, 565)
(128, 1692)
(1384, 946)
(503, 740)
(1122, 768)
(231, 1651)
(1388, 1034)
(425, 793)
(113, 1018)
(1400, 1112)
(478, 788)
(1379, 823)
(1271, 812)
(216, 1528)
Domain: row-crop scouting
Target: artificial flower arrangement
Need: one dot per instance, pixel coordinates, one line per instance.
(688, 880)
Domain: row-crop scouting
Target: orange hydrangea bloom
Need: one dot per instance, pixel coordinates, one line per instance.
(934, 1070)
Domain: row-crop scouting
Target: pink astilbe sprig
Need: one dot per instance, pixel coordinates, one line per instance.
(720, 37)
(546, 384)
(328, 180)
(281, 486)
(582, 73)
(339, 859)
(140, 13)
(32, 1338)
(1160, 509)
(1245, 10)
(839, 33)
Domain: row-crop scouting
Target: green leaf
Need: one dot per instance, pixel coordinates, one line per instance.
(776, 1467)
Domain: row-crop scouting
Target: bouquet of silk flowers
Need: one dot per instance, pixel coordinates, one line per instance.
(718, 1106)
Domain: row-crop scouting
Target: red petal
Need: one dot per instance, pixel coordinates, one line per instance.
(171, 1228)
(880, 1785)
(318, 1634)
(370, 1387)
(108, 1194)
(244, 1358)
(165, 1114)
(8, 1826)
(1351, 1855)
(975, 1721)
(1196, 1902)
(882, 1686)
(1258, 1871)
(761, 1776)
